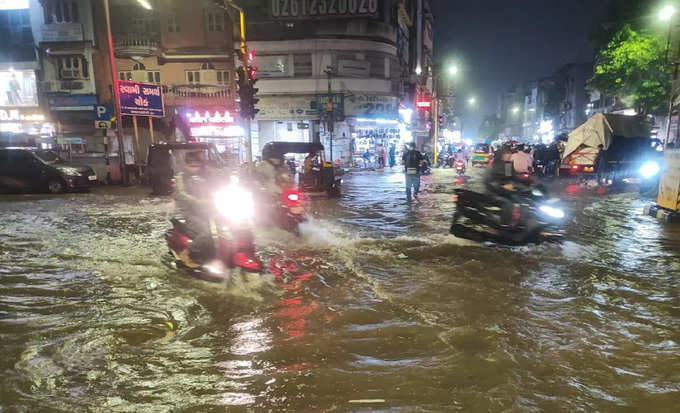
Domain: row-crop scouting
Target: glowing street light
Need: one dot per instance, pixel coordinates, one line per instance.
(515, 110)
(666, 13)
(472, 101)
(453, 70)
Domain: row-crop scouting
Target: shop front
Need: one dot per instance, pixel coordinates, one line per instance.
(284, 118)
(219, 127)
(375, 125)
(26, 127)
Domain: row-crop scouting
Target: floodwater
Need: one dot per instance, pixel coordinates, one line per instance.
(91, 320)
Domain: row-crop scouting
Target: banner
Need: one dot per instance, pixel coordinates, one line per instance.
(141, 99)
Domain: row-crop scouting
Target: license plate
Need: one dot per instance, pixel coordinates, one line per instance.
(92, 177)
(297, 210)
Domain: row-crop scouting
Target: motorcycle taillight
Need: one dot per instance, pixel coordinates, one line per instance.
(292, 198)
(247, 261)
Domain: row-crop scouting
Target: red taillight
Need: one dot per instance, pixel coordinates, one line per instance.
(292, 197)
(455, 198)
(515, 215)
(525, 175)
(247, 261)
(574, 167)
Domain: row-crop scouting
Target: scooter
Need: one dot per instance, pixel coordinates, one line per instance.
(291, 211)
(229, 254)
(460, 167)
(526, 217)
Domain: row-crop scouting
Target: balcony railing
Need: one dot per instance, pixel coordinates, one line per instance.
(135, 44)
(199, 95)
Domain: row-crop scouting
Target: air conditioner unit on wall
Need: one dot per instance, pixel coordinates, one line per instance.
(70, 74)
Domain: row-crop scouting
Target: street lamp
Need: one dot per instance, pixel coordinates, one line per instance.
(666, 13)
(515, 110)
(472, 101)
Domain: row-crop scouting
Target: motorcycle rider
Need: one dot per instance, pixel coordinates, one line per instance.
(192, 201)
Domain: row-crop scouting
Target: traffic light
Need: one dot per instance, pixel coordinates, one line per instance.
(246, 91)
(441, 120)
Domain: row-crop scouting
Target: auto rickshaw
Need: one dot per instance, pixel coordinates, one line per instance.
(160, 164)
(318, 176)
(482, 155)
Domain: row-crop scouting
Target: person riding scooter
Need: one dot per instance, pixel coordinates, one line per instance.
(193, 203)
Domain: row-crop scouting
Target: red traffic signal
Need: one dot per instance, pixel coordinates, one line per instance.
(424, 104)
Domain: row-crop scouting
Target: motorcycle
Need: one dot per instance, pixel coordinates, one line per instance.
(229, 253)
(460, 167)
(426, 169)
(526, 217)
(444, 160)
(291, 211)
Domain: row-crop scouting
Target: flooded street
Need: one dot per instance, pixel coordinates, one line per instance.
(91, 320)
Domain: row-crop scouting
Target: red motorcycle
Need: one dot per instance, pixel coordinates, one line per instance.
(460, 167)
(230, 251)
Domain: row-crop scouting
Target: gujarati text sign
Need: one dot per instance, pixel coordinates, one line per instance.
(142, 99)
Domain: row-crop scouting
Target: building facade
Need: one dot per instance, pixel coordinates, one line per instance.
(337, 72)
(24, 119)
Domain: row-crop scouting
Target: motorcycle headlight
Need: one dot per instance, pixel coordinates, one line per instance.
(551, 211)
(70, 171)
(649, 169)
(235, 203)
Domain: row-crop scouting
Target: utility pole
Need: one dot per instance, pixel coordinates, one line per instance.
(331, 110)
(116, 97)
(435, 114)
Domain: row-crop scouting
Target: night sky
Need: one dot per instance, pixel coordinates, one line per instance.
(503, 43)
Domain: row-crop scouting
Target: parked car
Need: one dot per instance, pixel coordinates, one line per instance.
(38, 170)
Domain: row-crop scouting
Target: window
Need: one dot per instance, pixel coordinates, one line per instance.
(222, 77)
(125, 75)
(73, 67)
(215, 21)
(193, 76)
(138, 66)
(207, 66)
(61, 11)
(173, 26)
(153, 76)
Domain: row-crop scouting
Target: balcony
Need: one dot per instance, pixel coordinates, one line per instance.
(198, 96)
(135, 44)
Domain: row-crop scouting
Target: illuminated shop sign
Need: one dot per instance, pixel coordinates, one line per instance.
(315, 9)
(210, 117)
(10, 115)
(13, 4)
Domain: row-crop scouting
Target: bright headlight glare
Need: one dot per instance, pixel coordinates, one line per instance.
(552, 211)
(649, 169)
(70, 171)
(235, 203)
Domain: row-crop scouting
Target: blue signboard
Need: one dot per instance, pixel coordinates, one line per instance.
(72, 102)
(141, 99)
(103, 112)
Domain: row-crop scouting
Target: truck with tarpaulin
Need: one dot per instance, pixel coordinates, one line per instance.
(626, 139)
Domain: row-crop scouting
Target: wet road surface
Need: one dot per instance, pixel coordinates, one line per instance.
(90, 320)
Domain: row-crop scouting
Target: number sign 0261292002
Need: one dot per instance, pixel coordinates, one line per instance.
(314, 9)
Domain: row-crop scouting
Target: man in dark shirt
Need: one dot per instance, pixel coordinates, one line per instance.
(412, 160)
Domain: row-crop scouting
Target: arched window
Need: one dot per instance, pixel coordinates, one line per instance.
(207, 66)
(138, 66)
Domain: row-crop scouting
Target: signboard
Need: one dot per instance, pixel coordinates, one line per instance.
(372, 106)
(62, 32)
(669, 186)
(140, 99)
(72, 102)
(354, 68)
(102, 124)
(323, 106)
(322, 9)
(16, 115)
(18, 88)
(103, 111)
(287, 108)
(72, 141)
(213, 123)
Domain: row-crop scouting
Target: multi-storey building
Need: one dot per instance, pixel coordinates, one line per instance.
(23, 121)
(186, 46)
(359, 58)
